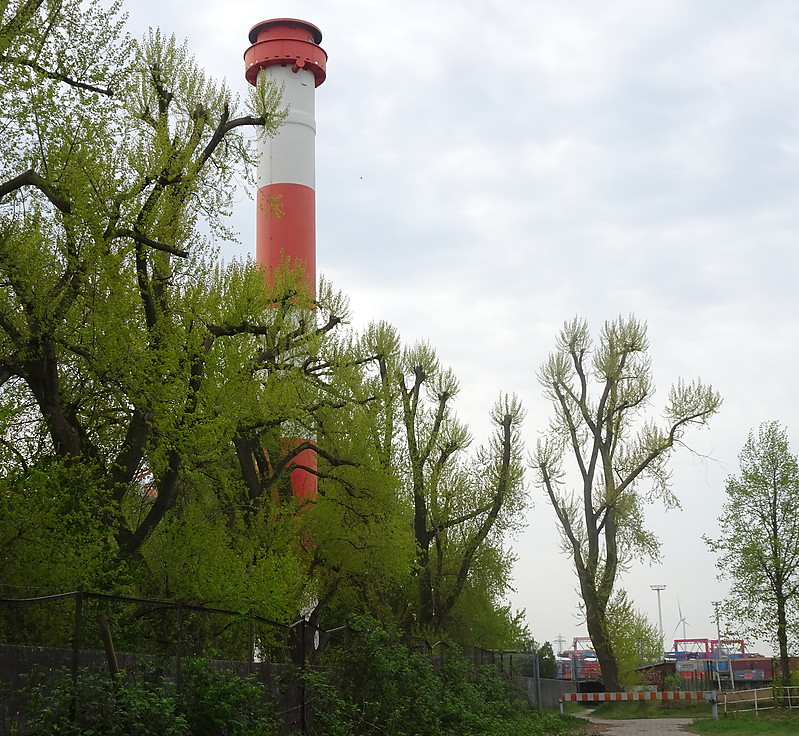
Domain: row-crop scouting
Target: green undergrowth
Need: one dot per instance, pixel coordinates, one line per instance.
(574, 708)
(653, 709)
(379, 687)
(770, 723)
(375, 686)
(144, 702)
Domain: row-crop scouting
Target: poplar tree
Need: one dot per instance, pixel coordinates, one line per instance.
(462, 504)
(599, 394)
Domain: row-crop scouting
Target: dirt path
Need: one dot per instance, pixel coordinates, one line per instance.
(641, 726)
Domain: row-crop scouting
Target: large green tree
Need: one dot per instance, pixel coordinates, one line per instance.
(759, 543)
(140, 379)
(147, 390)
(619, 460)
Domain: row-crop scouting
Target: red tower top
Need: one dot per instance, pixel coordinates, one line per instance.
(285, 41)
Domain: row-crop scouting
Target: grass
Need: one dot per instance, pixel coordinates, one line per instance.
(572, 708)
(771, 723)
(653, 709)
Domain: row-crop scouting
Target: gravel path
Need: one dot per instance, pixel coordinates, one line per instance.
(643, 726)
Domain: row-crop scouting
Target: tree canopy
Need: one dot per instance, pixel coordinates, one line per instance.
(134, 366)
(634, 638)
(458, 506)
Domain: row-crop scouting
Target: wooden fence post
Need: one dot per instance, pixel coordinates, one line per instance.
(108, 644)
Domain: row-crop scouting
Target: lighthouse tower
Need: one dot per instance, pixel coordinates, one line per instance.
(287, 51)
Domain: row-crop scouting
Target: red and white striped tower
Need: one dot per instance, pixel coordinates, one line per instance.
(287, 51)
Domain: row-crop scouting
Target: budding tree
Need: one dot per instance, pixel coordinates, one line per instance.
(599, 393)
(132, 361)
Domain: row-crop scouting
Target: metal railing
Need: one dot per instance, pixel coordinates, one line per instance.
(759, 699)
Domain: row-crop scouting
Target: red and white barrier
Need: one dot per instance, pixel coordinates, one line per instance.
(616, 697)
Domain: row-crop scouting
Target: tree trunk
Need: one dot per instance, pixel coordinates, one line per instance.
(42, 377)
(427, 612)
(597, 630)
(782, 639)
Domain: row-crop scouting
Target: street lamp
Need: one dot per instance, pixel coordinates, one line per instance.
(658, 588)
(716, 605)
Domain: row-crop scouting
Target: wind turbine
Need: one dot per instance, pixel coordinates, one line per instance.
(681, 621)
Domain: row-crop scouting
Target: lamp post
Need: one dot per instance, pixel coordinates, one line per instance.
(658, 588)
(717, 605)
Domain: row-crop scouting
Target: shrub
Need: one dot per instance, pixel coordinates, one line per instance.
(219, 703)
(212, 702)
(379, 686)
(97, 704)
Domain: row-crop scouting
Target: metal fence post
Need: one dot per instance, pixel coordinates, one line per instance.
(303, 694)
(77, 634)
(250, 643)
(179, 646)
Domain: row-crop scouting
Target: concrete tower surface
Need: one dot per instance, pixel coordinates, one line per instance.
(287, 51)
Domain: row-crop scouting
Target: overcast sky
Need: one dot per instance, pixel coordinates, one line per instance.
(485, 174)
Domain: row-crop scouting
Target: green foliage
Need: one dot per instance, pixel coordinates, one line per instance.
(674, 681)
(148, 392)
(759, 547)
(634, 638)
(653, 709)
(215, 702)
(773, 723)
(380, 686)
(414, 532)
(96, 704)
(526, 666)
(461, 505)
(144, 386)
(479, 617)
(52, 530)
(547, 664)
(212, 702)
